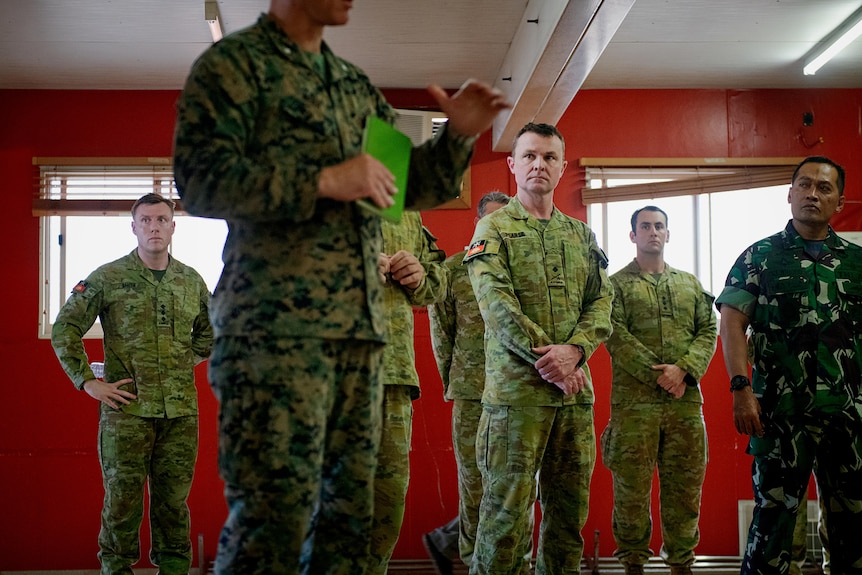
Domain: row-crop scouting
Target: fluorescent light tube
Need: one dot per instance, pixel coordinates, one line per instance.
(848, 31)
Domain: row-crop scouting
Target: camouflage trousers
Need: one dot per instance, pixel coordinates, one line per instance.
(457, 538)
(799, 551)
(299, 426)
(465, 428)
(514, 445)
(131, 450)
(830, 444)
(639, 439)
(391, 477)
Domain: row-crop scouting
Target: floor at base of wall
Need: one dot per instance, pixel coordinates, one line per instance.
(605, 566)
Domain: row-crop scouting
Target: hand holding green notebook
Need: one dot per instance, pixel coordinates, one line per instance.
(393, 149)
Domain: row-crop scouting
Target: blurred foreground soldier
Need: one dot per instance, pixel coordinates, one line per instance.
(153, 312)
(663, 338)
(544, 294)
(412, 266)
(800, 294)
(269, 137)
(457, 335)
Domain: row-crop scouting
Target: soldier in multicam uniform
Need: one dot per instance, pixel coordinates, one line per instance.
(799, 292)
(415, 276)
(542, 286)
(153, 311)
(457, 336)
(664, 334)
(269, 137)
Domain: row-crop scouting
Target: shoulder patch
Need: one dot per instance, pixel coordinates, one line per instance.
(80, 287)
(476, 248)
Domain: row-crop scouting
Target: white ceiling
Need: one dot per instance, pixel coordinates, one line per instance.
(150, 44)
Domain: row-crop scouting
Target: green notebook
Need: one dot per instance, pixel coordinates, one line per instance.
(393, 149)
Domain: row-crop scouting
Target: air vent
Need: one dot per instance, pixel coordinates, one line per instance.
(419, 125)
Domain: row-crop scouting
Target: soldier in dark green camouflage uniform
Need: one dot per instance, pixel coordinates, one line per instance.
(413, 266)
(800, 294)
(268, 137)
(457, 335)
(153, 312)
(541, 284)
(664, 334)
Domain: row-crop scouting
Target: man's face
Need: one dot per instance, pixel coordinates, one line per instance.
(328, 12)
(813, 196)
(537, 163)
(154, 226)
(651, 233)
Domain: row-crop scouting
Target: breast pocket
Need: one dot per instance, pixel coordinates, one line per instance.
(527, 263)
(186, 309)
(850, 296)
(790, 293)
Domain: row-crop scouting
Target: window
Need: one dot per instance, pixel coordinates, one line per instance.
(713, 213)
(85, 221)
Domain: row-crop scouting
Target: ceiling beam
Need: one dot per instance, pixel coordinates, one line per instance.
(554, 49)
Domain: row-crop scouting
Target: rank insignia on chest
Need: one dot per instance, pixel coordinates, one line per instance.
(477, 247)
(80, 287)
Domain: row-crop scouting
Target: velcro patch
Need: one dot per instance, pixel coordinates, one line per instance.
(476, 247)
(80, 287)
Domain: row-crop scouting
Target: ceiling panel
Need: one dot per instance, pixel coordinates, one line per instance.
(151, 44)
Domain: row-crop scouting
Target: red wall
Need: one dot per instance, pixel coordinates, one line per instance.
(50, 488)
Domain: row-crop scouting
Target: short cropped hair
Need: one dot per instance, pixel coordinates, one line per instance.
(152, 199)
(821, 160)
(649, 209)
(496, 197)
(545, 130)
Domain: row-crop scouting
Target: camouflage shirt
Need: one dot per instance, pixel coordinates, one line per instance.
(805, 315)
(257, 122)
(457, 335)
(668, 319)
(537, 284)
(399, 357)
(154, 333)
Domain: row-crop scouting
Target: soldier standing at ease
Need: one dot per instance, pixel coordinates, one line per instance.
(664, 334)
(457, 335)
(543, 291)
(798, 293)
(414, 275)
(153, 312)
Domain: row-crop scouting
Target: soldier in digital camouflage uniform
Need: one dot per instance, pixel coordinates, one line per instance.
(153, 312)
(457, 337)
(799, 291)
(663, 338)
(413, 266)
(542, 287)
(268, 137)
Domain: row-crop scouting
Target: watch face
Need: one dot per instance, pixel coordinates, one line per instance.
(739, 382)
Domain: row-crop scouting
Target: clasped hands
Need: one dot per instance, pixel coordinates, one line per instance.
(401, 268)
(559, 365)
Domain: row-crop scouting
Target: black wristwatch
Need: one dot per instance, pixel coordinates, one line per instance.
(738, 382)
